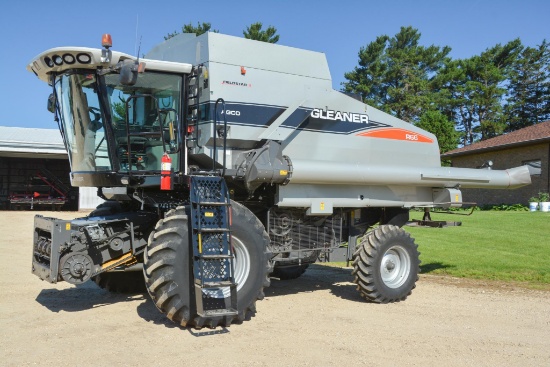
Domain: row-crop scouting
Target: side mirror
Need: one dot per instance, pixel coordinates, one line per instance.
(128, 72)
(51, 103)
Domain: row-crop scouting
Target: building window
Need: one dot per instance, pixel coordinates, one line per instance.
(534, 167)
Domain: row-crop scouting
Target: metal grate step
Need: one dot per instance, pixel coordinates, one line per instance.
(220, 313)
(213, 257)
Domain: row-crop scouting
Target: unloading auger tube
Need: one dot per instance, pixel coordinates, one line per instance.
(315, 172)
(270, 170)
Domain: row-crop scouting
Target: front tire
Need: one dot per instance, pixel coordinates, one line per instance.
(168, 267)
(386, 265)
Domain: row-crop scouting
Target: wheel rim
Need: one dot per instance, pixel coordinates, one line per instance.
(241, 271)
(395, 266)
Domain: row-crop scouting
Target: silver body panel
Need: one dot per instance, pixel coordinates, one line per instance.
(335, 165)
(340, 148)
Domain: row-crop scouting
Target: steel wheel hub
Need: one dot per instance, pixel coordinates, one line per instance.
(395, 266)
(241, 270)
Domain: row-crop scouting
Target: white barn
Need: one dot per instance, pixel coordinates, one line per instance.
(34, 172)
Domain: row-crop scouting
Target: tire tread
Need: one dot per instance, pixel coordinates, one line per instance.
(365, 268)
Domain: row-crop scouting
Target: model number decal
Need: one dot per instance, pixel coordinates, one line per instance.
(395, 133)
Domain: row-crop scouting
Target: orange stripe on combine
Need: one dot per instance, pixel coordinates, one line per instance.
(397, 134)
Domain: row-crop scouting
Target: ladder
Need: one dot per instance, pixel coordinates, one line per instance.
(213, 258)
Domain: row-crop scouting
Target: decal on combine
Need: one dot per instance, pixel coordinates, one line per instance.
(340, 116)
(236, 84)
(397, 134)
(231, 112)
(245, 114)
(334, 122)
(303, 118)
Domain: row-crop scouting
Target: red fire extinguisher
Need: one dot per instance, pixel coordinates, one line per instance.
(166, 172)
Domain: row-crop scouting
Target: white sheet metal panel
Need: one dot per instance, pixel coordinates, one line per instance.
(19, 141)
(238, 51)
(88, 199)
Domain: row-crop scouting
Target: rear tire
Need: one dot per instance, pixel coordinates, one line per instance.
(168, 267)
(386, 265)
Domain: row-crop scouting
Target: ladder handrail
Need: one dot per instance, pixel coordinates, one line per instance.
(193, 75)
(215, 123)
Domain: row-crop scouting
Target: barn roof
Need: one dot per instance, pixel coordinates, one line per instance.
(31, 142)
(529, 135)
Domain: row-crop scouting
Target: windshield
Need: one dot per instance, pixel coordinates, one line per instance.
(83, 122)
(140, 118)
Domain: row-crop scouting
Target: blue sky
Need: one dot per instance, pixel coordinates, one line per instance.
(337, 28)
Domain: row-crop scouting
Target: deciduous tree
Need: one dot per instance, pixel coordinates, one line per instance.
(439, 125)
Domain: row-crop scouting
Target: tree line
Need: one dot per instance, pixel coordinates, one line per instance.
(253, 31)
(461, 101)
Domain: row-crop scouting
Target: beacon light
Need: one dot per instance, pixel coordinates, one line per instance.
(106, 40)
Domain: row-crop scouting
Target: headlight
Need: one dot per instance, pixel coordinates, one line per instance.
(48, 61)
(69, 59)
(84, 58)
(57, 60)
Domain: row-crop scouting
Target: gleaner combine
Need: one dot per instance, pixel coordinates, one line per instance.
(223, 161)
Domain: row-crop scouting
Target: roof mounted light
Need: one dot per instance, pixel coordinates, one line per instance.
(84, 58)
(69, 59)
(57, 60)
(48, 61)
(106, 54)
(106, 41)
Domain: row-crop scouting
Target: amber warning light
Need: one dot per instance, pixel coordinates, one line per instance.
(106, 40)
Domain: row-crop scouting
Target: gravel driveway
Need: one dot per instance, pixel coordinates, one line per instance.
(316, 320)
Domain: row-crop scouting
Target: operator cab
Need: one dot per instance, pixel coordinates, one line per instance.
(118, 116)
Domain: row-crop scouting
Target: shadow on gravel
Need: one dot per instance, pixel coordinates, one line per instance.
(149, 312)
(81, 297)
(318, 277)
(89, 295)
(428, 268)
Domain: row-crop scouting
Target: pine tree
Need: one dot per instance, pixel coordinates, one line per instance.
(478, 89)
(255, 32)
(396, 74)
(190, 28)
(528, 100)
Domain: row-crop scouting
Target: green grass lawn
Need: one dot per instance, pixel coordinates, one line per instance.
(497, 245)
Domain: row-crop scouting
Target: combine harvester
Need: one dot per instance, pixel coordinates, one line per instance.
(224, 161)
